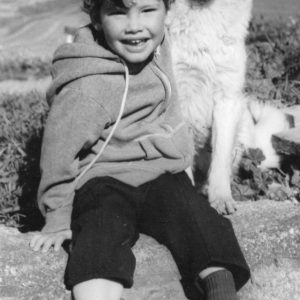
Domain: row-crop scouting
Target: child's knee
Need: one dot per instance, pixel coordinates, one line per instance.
(98, 289)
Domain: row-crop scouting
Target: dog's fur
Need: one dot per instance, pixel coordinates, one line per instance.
(209, 53)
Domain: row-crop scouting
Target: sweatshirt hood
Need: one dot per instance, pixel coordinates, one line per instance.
(82, 58)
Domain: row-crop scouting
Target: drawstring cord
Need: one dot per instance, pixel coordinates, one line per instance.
(113, 128)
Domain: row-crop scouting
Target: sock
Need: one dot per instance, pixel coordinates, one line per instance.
(219, 285)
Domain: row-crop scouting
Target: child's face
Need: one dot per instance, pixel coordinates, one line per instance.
(133, 30)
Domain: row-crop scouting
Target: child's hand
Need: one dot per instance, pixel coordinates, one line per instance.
(44, 241)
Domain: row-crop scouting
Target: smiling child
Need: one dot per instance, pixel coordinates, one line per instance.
(114, 152)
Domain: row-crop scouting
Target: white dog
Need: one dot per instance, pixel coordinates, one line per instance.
(208, 45)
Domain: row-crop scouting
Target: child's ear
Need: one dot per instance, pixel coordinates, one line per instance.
(168, 19)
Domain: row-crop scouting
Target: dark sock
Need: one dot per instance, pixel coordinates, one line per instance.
(219, 285)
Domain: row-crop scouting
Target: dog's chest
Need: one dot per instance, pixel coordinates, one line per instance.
(211, 31)
(207, 46)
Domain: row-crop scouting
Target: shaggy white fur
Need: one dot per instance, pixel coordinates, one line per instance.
(209, 53)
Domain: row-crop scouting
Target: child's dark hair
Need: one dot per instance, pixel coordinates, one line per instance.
(92, 7)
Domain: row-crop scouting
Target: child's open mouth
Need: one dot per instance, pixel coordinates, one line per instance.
(135, 42)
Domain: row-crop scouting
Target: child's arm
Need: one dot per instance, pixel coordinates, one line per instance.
(44, 241)
(75, 122)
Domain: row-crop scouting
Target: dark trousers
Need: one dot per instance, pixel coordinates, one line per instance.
(108, 216)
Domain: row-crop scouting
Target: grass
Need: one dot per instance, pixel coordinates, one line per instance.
(22, 65)
(274, 60)
(273, 75)
(22, 118)
(41, 7)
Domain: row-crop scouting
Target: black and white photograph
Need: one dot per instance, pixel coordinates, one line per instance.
(149, 149)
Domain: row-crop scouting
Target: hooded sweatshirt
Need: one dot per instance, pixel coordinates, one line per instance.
(85, 98)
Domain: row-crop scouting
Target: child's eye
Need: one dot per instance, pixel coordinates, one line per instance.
(147, 10)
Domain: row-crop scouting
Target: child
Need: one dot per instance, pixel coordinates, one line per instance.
(116, 143)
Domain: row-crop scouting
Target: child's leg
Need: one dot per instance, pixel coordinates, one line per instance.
(98, 289)
(218, 285)
(199, 238)
(101, 262)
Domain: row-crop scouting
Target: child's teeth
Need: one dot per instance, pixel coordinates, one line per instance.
(136, 42)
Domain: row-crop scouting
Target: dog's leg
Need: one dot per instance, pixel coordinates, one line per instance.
(195, 94)
(226, 117)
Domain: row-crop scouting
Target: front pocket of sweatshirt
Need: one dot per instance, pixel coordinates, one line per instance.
(183, 139)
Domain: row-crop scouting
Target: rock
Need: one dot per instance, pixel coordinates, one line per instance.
(288, 142)
(295, 112)
(268, 232)
(25, 274)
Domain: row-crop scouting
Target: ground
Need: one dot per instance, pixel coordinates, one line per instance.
(268, 232)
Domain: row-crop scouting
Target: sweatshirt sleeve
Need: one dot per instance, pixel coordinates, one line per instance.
(75, 122)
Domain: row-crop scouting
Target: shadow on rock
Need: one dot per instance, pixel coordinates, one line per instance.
(29, 178)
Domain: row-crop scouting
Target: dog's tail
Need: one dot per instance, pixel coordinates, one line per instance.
(264, 112)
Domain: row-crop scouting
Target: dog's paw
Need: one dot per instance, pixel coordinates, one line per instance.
(225, 205)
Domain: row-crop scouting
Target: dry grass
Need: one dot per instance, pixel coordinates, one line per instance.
(274, 60)
(21, 123)
(21, 65)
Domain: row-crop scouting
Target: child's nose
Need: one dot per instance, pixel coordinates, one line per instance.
(134, 24)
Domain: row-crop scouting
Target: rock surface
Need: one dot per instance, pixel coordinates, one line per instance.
(268, 231)
(288, 142)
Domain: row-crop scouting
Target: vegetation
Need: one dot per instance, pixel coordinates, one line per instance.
(21, 124)
(274, 60)
(21, 66)
(273, 75)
